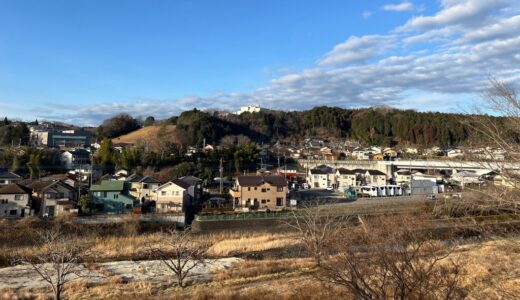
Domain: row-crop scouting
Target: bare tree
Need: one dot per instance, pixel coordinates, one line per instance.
(58, 261)
(393, 258)
(500, 135)
(317, 226)
(180, 253)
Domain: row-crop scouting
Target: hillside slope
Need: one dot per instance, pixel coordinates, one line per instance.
(147, 134)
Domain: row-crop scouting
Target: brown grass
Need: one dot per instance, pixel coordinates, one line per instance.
(255, 268)
(252, 243)
(146, 134)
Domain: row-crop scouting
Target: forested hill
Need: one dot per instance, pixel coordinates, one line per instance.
(379, 126)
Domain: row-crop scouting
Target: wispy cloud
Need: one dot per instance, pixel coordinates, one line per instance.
(366, 14)
(399, 7)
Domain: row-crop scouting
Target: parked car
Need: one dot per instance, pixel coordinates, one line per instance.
(330, 188)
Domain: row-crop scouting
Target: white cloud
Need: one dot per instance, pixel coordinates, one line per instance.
(358, 49)
(366, 14)
(454, 51)
(458, 12)
(400, 7)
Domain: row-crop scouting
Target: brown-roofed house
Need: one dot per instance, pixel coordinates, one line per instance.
(55, 197)
(15, 201)
(260, 192)
(172, 196)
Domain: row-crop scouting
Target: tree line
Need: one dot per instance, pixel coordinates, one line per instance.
(380, 125)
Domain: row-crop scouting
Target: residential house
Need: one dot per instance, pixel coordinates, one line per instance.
(7, 177)
(15, 201)
(377, 156)
(55, 198)
(403, 177)
(66, 178)
(112, 196)
(433, 151)
(172, 196)
(374, 177)
(374, 149)
(76, 158)
(361, 154)
(260, 192)
(410, 150)
(390, 153)
(143, 187)
(465, 178)
(327, 154)
(321, 177)
(345, 178)
(121, 174)
(194, 189)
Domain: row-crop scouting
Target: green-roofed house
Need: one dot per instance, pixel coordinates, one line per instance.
(112, 196)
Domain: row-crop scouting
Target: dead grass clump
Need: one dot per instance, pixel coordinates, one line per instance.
(297, 288)
(254, 268)
(492, 268)
(126, 247)
(254, 243)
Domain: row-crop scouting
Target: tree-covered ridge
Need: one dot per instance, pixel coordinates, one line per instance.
(381, 126)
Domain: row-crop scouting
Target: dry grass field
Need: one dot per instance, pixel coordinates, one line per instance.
(147, 134)
(491, 269)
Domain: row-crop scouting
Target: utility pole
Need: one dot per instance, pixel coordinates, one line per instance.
(221, 169)
(79, 184)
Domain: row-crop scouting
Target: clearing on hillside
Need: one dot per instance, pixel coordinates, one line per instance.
(147, 134)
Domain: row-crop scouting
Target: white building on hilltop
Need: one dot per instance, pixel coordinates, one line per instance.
(250, 109)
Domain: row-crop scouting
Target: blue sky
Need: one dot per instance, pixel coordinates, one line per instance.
(82, 61)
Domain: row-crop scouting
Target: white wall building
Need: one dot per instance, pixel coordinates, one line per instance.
(250, 109)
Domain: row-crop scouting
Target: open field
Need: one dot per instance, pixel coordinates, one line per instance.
(260, 264)
(147, 134)
(492, 271)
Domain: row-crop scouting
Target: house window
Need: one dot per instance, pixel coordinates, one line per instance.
(264, 190)
(263, 201)
(18, 197)
(104, 194)
(176, 193)
(279, 201)
(145, 186)
(163, 193)
(4, 201)
(248, 188)
(13, 212)
(255, 188)
(279, 189)
(116, 196)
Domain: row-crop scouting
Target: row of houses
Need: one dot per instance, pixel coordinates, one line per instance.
(58, 195)
(323, 177)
